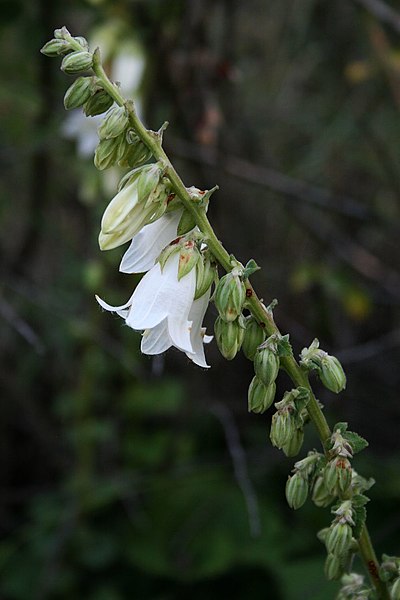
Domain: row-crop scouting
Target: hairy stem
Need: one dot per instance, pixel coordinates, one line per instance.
(255, 305)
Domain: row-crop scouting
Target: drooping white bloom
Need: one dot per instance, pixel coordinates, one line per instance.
(161, 296)
(157, 340)
(149, 242)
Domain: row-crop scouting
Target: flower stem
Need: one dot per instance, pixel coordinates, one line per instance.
(255, 305)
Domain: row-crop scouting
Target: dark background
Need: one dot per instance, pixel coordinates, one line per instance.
(128, 477)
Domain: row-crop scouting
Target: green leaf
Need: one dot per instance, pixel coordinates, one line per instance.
(342, 427)
(357, 442)
(250, 268)
(284, 347)
(360, 516)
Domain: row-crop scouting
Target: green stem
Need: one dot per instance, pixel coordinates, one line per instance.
(295, 372)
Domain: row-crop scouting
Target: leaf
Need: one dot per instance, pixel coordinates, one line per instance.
(284, 347)
(357, 442)
(250, 268)
(342, 427)
(360, 516)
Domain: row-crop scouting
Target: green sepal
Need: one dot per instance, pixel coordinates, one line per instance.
(294, 444)
(283, 346)
(250, 268)
(79, 92)
(97, 104)
(114, 123)
(76, 62)
(56, 47)
(356, 442)
(359, 514)
(106, 153)
(186, 223)
(188, 258)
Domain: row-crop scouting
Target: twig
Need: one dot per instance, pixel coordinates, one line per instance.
(239, 465)
(22, 327)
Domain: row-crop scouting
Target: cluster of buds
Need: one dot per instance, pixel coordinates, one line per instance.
(266, 367)
(287, 426)
(329, 369)
(338, 539)
(229, 298)
(297, 485)
(337, 475)
(354, 588)
(389, 572)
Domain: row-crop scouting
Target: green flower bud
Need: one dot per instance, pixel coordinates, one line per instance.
(56, 48)
(115, 122)
(188, 258)
(61, 33)
(106, 153)
(337, 475)
(133, 152)
(338, 539)
(149, 183)
(333, 568)
(230, 295)
(295, 442)
(82, 41)
(186, 223)
(76, 62)
(229, 336)
(282, 427)
(395, 590)
(205, 275)
(253, 337)
(320, 495)
(296, 490)
(332, 375)
(260, 397)
(79, 92)
(97, 104)
(389, 568)
(266, 365)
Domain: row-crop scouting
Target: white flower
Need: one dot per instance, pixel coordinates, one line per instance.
(157, 340)
(149, 242)
(164, 307)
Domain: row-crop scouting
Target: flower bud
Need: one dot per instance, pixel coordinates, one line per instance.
(296, 490)
(260, 397)
(320, 495)
(82, 41)
(266, 365)
(148, 184)
(230, 295)
(337, 475)
(115, 122)
(295, 442)
(56, 48)
(338, 539)
(133, 152)
(332, 375)
(106, 154)
(229, 336)
(253, 337)
(333, 568)
(389, 568)
(205, 275)
(97, 104)
(282, 427)
(77, 62)
(79, 92)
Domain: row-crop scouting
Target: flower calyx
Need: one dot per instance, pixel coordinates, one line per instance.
(328, 367)
(230, 295)
(188, 247)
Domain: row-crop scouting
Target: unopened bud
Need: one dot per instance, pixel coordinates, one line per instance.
(332, 375)
(230, 295)
(282, 427)
(294, 443)
(149, 183)
(333, 568)
(253, 337)
(266, 365)
(79, 92)
(133, 152)
(115, 122)
(389, 568)
(76, 62)
(260, 396)
(338, 539)
(296, 490)
(97, 104)
(229, 337)
(57, 47)
(205, 275)
(82, 41)
(106, 154)
(337, 475)
(320, 495)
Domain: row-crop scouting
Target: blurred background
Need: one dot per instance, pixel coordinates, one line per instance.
(124, 476)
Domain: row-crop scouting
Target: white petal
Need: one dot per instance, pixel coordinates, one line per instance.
(156, 340)
(122, 310)
(149, 242)
(197, 313)
(160, 295)
(119, 207)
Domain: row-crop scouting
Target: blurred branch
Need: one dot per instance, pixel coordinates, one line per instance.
(383, 12)
(22, 327)
(271, 179)
(239, 465)
(370, 349)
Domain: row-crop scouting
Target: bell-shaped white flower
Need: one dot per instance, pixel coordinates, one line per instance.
(147, 245)
(157, 340)
(161, 296)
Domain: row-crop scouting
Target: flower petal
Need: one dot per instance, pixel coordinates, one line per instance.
(156, 340)
(197, 337)
(122, 310)
(119, 207)
(149, 242)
